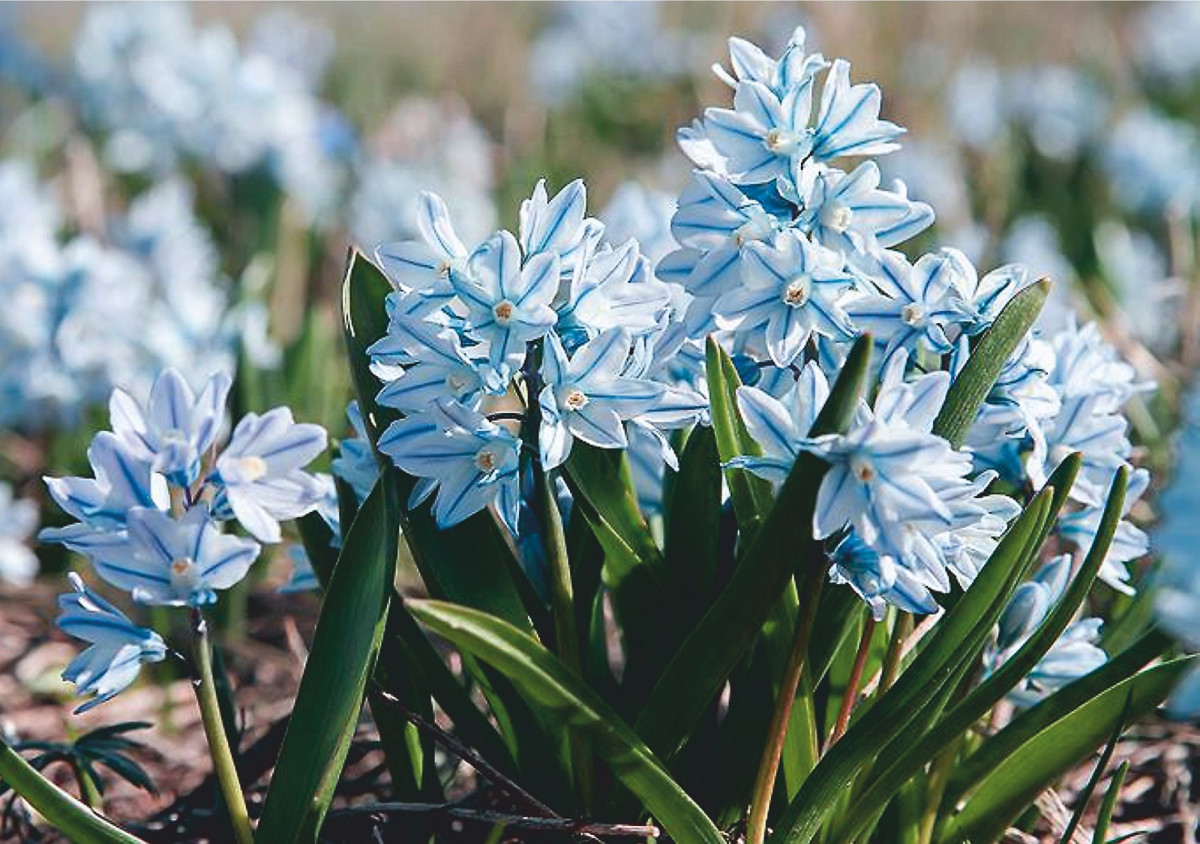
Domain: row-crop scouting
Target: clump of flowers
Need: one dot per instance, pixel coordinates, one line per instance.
(154, 518)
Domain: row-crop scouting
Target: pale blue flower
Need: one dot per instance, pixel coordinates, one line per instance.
(766, 132)
(587, 396)
(261, 471)
(121, 481)
(356, 463)
(749, 63)
(18, 522)
(509, 304)
(1062, 110)
(175, 562)
(176, 428)
(793, 287)
(612, 288)
(557, 226)
(470, 461)
(781, 430)
(878, 579)
(422, 361)
(917, 303)
(424, 266)
(1085, 424)
(851, 215)
(642, 214)
(117, 650)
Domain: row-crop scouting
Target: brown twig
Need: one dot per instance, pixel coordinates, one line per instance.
(576, 826)
(851, 693)
(457, 748)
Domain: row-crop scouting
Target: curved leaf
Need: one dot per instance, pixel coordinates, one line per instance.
(551, 685)
(66, 814)
(987, 360)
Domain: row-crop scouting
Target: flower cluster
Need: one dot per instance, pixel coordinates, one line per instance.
(165, 90)
(786, 259)
(88, 313)
(553, 334)
(151, 519)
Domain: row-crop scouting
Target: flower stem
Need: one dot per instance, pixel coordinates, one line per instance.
(89, 794)
(214, 729)
(902, 629)
(860, 662)
(768, 767)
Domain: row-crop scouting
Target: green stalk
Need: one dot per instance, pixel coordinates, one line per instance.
(891, 661)
(218, 741)
(768, 767)
(89, 792)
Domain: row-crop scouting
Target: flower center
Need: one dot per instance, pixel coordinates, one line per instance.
(444, 268)
(576, 399)
(912, 314)
(781, 141)
(503, 311)
(252, 468)
(185, 576)
(485, 460)
(797, 292)
(861, 466)
(836, 216)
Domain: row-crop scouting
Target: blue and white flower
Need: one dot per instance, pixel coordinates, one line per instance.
(261, 471)
(586, 396)
(18, 522)
(356, 463)
(793, 287)
(469, 460)
(117, 650)
(176, 428)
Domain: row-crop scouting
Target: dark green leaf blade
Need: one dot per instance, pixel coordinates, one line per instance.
(340, 662)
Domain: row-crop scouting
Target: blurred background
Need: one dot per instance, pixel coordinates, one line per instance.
(179, 185)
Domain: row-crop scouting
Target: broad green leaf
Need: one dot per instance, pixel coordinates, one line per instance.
(752, 496)
(66, 814)
(340, 662)
(1013, 785)
(987, 360)
(956, 639)
(693, 521)
(547, 682)
(595, 474)
(783, 547)
(973, 770)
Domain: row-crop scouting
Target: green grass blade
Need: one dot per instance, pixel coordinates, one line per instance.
(340, 662)
(987, 359)
(553, 687)
(1104, 817)
(1027, 725)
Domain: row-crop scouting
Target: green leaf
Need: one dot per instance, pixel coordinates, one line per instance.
(66, 814)
(956, 638)
(1104, 817)
(364, 320)
(987, 359)
(693, 521)
(1013, 785)
(781, 548)
(752, 496)
(547, 682)
(341, 660)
